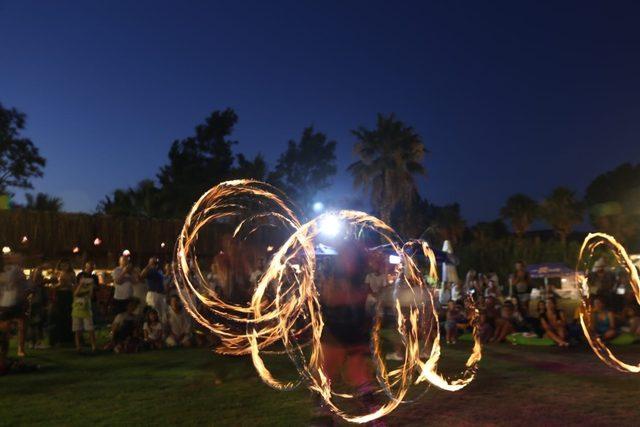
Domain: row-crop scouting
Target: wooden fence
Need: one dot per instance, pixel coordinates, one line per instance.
(50, 236)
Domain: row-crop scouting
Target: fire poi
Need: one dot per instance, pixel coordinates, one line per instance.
(285, 310)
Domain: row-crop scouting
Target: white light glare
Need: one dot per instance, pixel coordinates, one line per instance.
(330, 226)
(394, 259)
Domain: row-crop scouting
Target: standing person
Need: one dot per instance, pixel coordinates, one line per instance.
(156, 291)
(13, 287)
(139, 291)
(82, 313)
(521, 283)
(61, 311)
(216, 281)
(167, 280)
(376, 281)
(179, 325)
(37, 308)
(123, 283)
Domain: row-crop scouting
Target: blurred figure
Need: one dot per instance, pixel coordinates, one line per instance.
(123, 284)
(155, 298)
(520, 286)
(62, 304)
(124, 330)
(602, 322)
(179, 327)
(554, 324)
(13, 288)
(153, 331)
(601, 282)
(37, 308)
(82, 312)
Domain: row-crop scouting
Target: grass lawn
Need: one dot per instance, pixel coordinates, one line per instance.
(515, 386)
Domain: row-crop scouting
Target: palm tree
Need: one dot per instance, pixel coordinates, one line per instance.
(43, 202)
(389, 157)
(521, 210)
(562, 211)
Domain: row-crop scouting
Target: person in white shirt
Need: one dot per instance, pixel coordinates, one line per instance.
(179, 325)
(13, 289)
(123, 283)
(376, 280)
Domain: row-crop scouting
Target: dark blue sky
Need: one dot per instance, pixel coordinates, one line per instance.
(508, 96)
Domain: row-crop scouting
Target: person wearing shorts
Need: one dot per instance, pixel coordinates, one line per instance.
(81, 312)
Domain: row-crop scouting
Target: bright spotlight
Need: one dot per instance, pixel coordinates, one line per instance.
(6, 250)
(330, 226)
(318, 207)
(394, 259)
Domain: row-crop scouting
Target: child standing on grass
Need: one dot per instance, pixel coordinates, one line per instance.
(81, 312)
(153, 331)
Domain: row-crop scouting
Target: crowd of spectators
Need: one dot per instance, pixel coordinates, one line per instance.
(137, 308)
(507, 310)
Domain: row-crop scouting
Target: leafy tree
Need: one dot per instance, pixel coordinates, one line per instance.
(445, 223)
(613, 200)
(144, 200)
(306, 167)
(563, 211)
(389, 157)
(198, 162)
(521, 210)
(20, 159)
(43, 202)
(251, 169)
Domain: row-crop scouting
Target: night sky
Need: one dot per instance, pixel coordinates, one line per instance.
(509, 96)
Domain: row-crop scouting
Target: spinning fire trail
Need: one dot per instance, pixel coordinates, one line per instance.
(285, 310)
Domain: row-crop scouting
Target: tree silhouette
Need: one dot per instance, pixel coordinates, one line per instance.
(20, 159)
(521, 210)
(43, 202)
(198, 162)
(389, 157)
(306, 167)
(613, 200)
(562, 211)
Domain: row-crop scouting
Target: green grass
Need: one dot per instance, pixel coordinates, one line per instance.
(515, 385)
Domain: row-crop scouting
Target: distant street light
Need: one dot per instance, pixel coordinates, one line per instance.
(75, 250)
(126, 252)
(6, 250)
(25, 239)
(97, 242)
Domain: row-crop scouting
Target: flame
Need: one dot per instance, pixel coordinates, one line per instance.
(285, 308)
(591, 242)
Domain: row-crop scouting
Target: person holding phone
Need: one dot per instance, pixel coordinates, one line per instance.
(123, 283)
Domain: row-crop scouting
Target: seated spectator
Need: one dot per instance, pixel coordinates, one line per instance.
(554, 323)
(485, 330)
(507, 323)
(631, 319)
(153, 330)
(602, 323)
(124, 330)
(179, 325)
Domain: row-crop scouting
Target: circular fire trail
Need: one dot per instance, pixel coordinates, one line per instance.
(285, 312)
